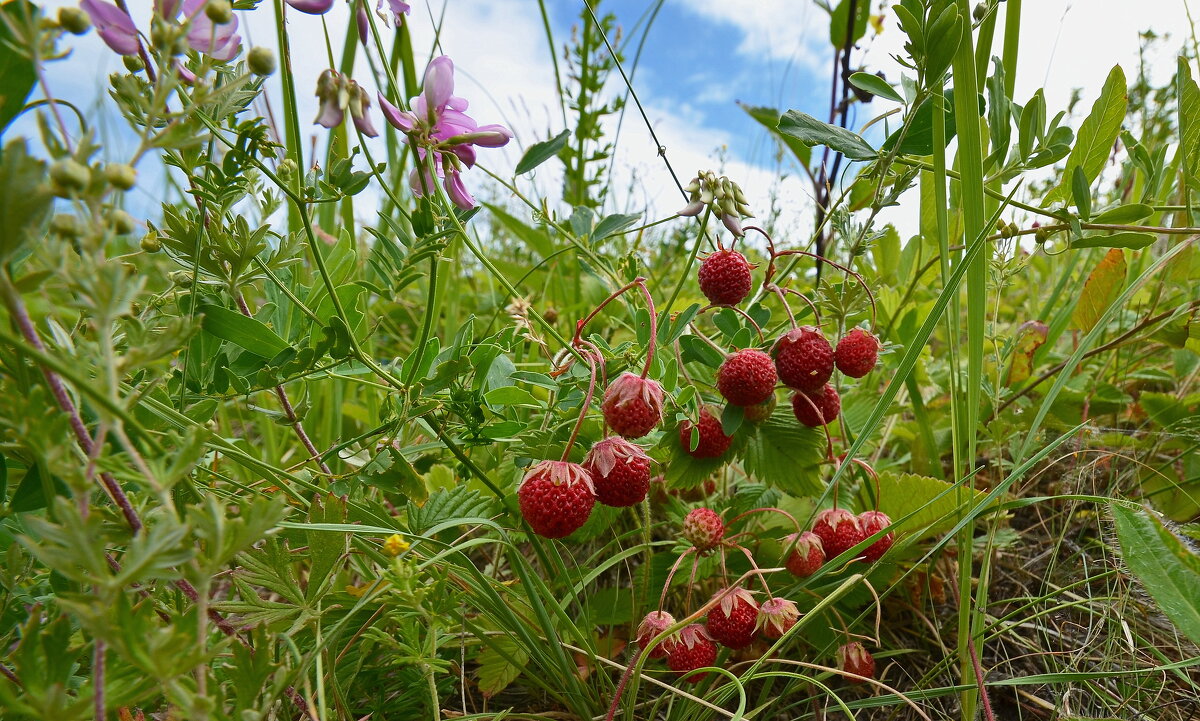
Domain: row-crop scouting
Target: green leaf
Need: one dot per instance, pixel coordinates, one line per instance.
(16, 69)
(1096, 136)
(769, 119)
(244, 332)
(325, 550)
(25, 199)
(447, 505)
(1128, 239)
(903, 493)
(838, 22)
(918, 136)
(1189, 119)
(1122, 214)
(510, 396)
(1102, 286)
(500, 663)
(784, 454)
(1081, 193)
(1030, 336)
(1167, 568)
(811, 131)
(731, 419)
(614, 224)
(875, 85)
(539, 153)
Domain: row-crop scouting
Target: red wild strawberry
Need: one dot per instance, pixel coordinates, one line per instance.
(651, 626)
(856, 353)
(853, 658)
(819, 408)
(692, 650)
(873, 522)
(734, 619)
(556, 498)
(632, 405)
(838, 530)
(747, 377)
(713, 441)
(776, 616)
(803, 358)
(725, 277)
(704, 529)
(807, 554)
(620, 472)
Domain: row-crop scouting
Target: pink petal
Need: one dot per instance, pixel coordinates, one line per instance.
(439, 83)
(364, 125)
(398, 118)
(418, 188)
(457, 191)
(465, 153)
(312, 7)
(491, 136)
(114, 26)
(331, 115)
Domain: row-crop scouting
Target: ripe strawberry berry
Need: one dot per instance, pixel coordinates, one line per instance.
(838, 530)
(747, 377)
(620, 472)
(556, 498)
(725, 277)
(632, 405)
(808, 553)
(873, 522)
(803, 358)
(856, 353)
(853, 658)
(704, 529)
(776, 616)
(651, 626)
(692, 650)
(713, 441)
(732, 622)
(817, 408)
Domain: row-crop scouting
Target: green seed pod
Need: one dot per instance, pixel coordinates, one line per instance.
(66, 225)
(1041, 235)
(121, 222)
(133, 63)
(74, 20)
(219, 11)
(151, 243)
(69, 174)
(120, 175)
(286, 169)
(261, 60)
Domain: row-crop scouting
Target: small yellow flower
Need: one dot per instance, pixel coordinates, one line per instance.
(357, 591)
(395, 545)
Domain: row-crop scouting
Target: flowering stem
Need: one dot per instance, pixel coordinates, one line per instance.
(587, 402)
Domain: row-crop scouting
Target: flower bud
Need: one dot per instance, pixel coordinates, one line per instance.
(70, 174)
(151, 243)
(133, 63)
(66, 225)
(219, 11)
(980, 12)
(261, 60)
(120, 175)
(121, 222)
(286, 169)
(181, 278)
(73, 20)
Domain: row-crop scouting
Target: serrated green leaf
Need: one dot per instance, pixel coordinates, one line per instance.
(500, 663)
(784, 454)
(448, 505)
(325, 550)
(902, 494)
(1167, 568)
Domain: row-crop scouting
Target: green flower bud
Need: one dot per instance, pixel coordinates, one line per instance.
(181, 278)
(66, 225)
(70, 174)
(219, 11)
(120, 175)
(133, 63)
(286, 169)
(121, 222)
(151, 243)
(261, 60)
(74, 20)
(980, 12)
(1041, 235)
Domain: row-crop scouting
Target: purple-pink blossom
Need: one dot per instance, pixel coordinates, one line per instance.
(220, 42)
(312, 7)
(446, 136)
(339, 93)
(397, 7)
(114, 26)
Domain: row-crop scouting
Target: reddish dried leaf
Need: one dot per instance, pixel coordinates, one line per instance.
(1030, 336)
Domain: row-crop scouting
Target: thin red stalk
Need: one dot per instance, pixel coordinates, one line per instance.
(620, 690)
(587, 402)
(787, 308)
(770, 509)
(662, 600)
(639, 283)
(98, 680)
(987, 704)
(844, 269)
(761, 576)
(8, 673)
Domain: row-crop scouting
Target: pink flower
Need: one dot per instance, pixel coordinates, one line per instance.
(312, 7)
(220, 42)
(397, 7)
(438, 122)
(115, 27)
(338, 94)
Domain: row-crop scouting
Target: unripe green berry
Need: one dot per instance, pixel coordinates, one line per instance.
(261, 60)
(151, 243)
(219, 11)
(66, 225)
(121, 222)
(133, 63)
(70, 174)
(74, 20)
(121, 175)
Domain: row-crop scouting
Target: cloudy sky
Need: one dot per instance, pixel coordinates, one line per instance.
(700, 58)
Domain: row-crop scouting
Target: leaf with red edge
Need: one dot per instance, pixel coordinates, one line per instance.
(1102, 286)
(1030, 336)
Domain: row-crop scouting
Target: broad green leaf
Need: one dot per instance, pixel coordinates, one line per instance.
(903, 493)
(500, 663)
(784, 454)
(461, 501)
(539, 153)
(510, 396)
(25, 200)
(244, 332)
(1102, 286)
(1081, 193)
(614, 224)
(1127, 239)
(811, 131)
(839, 22)
(1122, 214)
(875, 85)
(325, 550)
(16, 69)
(769, 119)
(1167, 568)
(1096, 136)
(1189, 119)
(1030, 336)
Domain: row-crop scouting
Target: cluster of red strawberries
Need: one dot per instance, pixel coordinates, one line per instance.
(735, 617)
